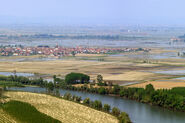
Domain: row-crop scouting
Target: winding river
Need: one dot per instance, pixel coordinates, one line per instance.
(138, 112)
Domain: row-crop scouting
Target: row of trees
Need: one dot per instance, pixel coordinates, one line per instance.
(122, 116)
(168, 98)
(23, 80)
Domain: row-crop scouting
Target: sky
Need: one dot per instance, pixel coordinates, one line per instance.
(111, 12)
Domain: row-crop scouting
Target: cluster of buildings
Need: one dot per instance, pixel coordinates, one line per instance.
(61, 51)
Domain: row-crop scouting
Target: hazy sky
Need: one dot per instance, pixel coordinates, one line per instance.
(149, 12)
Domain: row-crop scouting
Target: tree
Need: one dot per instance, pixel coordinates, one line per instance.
(86, 101)
(74, 78)
(1, 92)
(124, 118)
(101, 90)
(67, 96)
(54, 79)
(78, 98)
(50, 87)
(57, 93)
(106, 107)
(115, 111)
(97, 105)
(116, 89)
(149, 89)
(99, 78)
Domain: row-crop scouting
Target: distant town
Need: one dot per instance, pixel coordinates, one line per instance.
(58, 51)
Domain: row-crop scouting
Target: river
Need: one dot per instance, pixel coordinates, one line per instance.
(138, 112)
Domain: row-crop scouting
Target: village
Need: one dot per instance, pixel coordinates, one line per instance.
(58, 51)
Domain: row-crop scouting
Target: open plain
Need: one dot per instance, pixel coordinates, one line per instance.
(123, 69)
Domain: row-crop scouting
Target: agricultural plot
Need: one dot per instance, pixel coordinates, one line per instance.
(26, 113)
(6, 118)
(62, 110)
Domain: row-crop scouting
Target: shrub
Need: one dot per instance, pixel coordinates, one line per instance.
(86, 101)
(102, 90)
(106, 107)
(124, 118)
(115, 111)
(97, 105)
(67, 96)
(78, 98)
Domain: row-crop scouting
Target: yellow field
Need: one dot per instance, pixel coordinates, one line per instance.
(130, 76)
(126, 71)
(5, 118)
(161, 84)
(63, 110)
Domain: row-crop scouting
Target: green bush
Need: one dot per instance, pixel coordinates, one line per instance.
(86, 101)
(67, 96)
(124, 118)
(106, 107)
(115, 111)
(97, 105)
(101, 90)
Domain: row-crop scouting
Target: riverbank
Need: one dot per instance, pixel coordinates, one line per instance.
(171, 99)
(138, 112)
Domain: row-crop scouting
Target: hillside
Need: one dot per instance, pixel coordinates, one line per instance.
(63, 110)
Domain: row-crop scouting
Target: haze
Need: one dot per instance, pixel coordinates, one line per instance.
(114, 12)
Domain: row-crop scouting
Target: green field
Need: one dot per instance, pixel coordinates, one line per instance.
(26, 113)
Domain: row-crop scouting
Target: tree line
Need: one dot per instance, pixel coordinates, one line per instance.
(24, 80)
(168, 98)
(122, 116)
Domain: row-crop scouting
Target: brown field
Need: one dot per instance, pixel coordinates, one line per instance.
(125, 71)
(119, 69)
(168, 84)
(63, 110)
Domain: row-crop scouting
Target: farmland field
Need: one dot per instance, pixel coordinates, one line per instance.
(168, 84)
(6, 118)
(123, 69)
(63, 110)
(26, 113)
